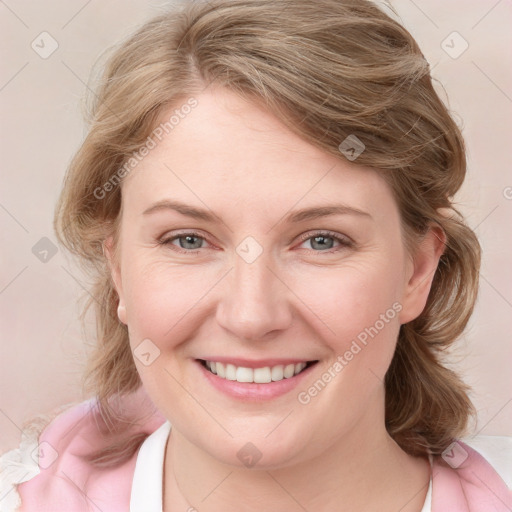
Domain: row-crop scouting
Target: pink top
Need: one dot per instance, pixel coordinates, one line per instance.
(462, 480)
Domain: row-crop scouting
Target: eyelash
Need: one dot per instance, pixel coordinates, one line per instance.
(343, 241)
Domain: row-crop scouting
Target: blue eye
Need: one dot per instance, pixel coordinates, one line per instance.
(324, 241)
(187, 242)
(321, 241)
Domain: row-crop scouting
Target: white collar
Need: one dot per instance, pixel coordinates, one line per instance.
(146, 495)
(427, 506)
(147, 484)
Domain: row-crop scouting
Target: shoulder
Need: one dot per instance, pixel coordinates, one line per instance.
(51, 470)
(474, 474)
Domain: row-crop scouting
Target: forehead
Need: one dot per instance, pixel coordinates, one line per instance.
(228, 150)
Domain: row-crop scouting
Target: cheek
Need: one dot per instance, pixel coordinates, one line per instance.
(159, 296)
(352, 298)
(340, 302)
(359, 306)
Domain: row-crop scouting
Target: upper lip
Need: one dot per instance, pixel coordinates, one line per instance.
(256, 363)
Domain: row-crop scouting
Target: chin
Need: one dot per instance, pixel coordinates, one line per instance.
(257, 452)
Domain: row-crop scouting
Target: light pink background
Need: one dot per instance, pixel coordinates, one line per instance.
(43, 346)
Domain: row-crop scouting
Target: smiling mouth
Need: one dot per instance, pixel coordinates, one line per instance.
(263, 375)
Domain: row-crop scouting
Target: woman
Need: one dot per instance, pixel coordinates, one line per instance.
(265, 200)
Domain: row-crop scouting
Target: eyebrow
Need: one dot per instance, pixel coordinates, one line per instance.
(314, 212)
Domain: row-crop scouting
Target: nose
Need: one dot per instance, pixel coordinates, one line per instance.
(255, 301)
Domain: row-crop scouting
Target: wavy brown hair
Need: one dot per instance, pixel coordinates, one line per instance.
(327, 69)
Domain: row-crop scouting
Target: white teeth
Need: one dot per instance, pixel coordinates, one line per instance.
(257, 375)
(244, 374)
(262, 375)
(221, 371)
(289, 370)
(299, 367)
(277, 372)
(230, 372)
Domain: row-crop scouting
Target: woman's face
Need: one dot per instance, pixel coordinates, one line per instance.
(244, 246)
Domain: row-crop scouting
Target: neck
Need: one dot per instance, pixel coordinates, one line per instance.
(357, 473)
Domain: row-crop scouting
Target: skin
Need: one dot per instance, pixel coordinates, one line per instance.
(297, 299)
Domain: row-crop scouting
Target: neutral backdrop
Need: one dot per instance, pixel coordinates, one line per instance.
(43, 345)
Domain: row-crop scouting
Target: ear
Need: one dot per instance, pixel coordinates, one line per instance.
(424, 262)
(115, 272)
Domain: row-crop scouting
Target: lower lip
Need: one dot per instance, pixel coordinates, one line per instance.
(251, 390)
